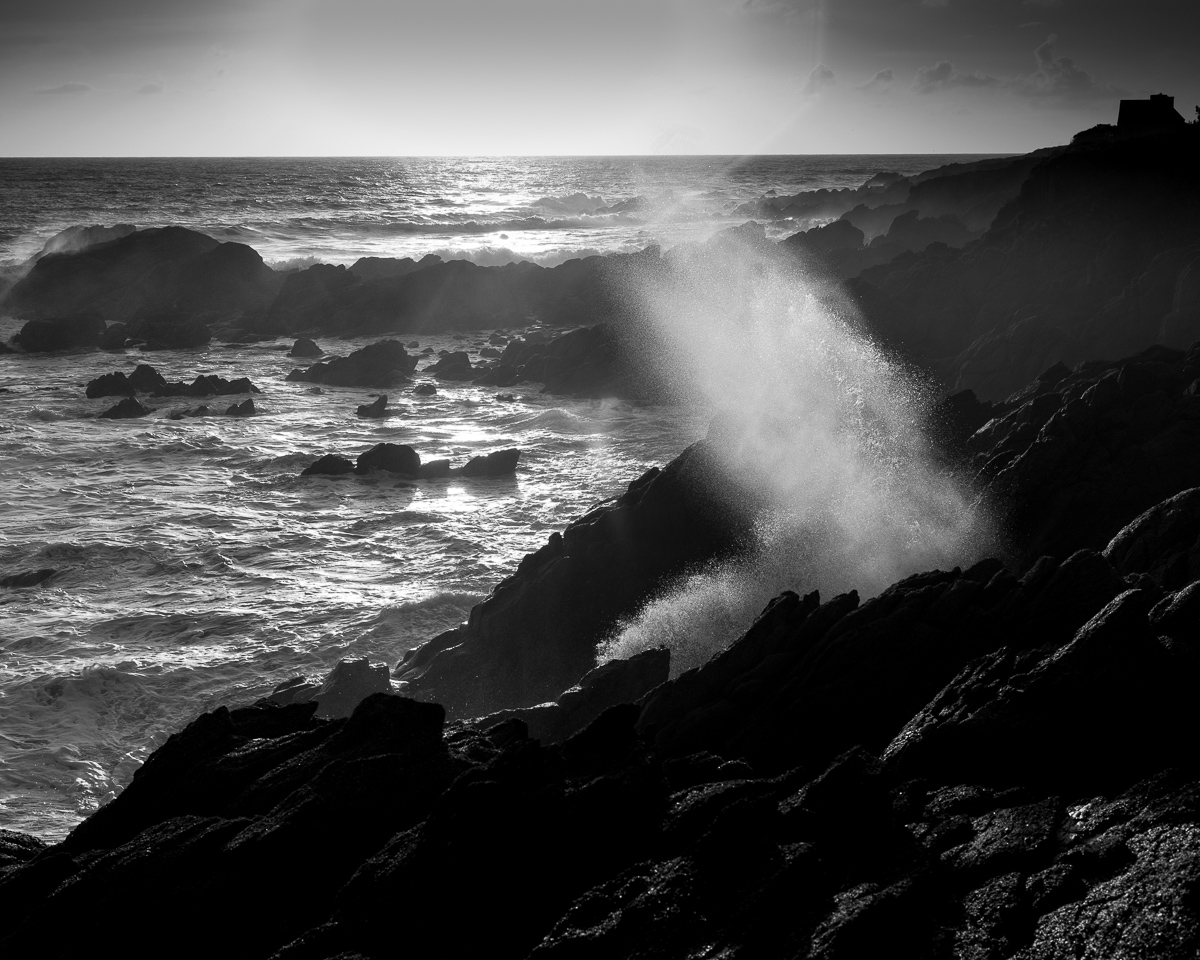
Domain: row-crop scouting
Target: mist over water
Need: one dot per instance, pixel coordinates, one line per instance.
(815, 419)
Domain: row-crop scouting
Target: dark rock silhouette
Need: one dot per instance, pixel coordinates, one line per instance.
(498, 464)
(376, 365)
(244, 409)
(537, 633)
(393, 457)
(329, 465)
(374, 410)
(304, 347)
(162, 277)
(453, 366)
(1094, 259)
(424, 390)
(205, 385)
(126, 409)
(144, 379)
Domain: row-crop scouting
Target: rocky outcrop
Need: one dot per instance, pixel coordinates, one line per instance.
(501, 463)
(537, 633)
(1092, 260)
(376, 365)
(205, 385)
(157, 279)
(1079, 454)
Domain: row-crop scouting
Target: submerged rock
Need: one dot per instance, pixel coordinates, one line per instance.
(30, 578)
(243, 409)
(126, 409)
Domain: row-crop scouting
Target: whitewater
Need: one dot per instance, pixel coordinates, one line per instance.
(195, 567)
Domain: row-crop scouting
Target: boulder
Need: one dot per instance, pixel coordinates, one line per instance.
(304, 347)
(424, 389)
(243, 409)
(110, 385)
(377, 365)
(330, 465)
(374, 410)
(126, 409)
(452, 366)
(392, 457)
(115, 337)
(434, 470)
(501, 463)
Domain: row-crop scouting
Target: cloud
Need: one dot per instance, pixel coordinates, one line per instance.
(819, 79)
(151, 88)
(879, 83)
(943, 75)
(73, 88)
(1059, 78)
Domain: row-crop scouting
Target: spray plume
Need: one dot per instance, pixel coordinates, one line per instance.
(828, 429)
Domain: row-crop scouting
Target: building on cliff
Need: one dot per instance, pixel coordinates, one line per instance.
(1139, 118)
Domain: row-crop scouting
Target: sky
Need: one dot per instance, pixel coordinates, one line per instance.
(592, 77)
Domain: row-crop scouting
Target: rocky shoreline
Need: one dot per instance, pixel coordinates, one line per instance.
(995, 762)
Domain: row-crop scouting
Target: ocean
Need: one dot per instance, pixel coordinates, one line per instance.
(195, 567)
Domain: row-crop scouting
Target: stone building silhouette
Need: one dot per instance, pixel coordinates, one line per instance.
(1139, 118)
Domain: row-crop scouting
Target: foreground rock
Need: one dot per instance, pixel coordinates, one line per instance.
(125, 410)
(537, 633)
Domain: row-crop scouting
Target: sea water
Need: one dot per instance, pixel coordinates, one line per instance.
(195, 566)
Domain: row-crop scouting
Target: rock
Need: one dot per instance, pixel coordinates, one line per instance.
(304, 347)
(611, 683)
(374, 410)
(330, 465)
(536, 635)
(167, 282)
(145, 379)
(501, 463)
(434, 470)
(1163, 542)
(200, 411)
(127, 408)
(170, 331)
(393, 457)
(243, 409)
(453, 366)
(110, 385)
(424, 390)
(115, 337)
(30, 578)
(348, 684)
(377, 365)
(78, 331)
(205, 385)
